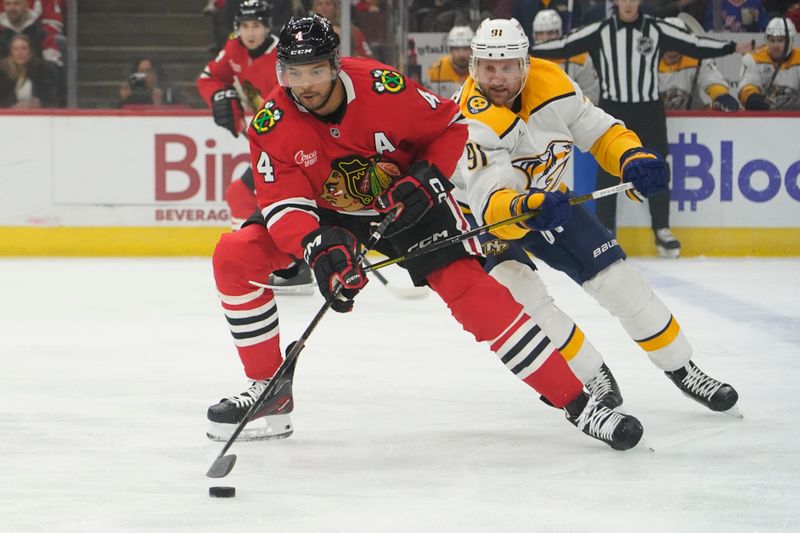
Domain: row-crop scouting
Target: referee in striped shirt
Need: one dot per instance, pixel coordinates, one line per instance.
(625, 49)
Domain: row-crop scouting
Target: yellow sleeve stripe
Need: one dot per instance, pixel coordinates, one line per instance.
(661, 339)
(746, 91)
(608, 149)
(499, 208)
(716, 90)
(574, 343)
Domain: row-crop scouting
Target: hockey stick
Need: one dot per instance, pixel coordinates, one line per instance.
(696, 28)
(223, 464)
(404, 293)
(455, 239)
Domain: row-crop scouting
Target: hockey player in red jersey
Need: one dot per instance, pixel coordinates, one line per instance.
(339, 145)
(234, 83)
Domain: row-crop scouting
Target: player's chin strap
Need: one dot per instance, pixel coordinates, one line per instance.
(456, 239)
(223, 464)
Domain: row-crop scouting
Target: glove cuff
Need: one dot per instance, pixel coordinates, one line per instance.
(637, 153)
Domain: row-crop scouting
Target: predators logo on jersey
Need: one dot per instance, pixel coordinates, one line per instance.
(355, 181)
(545, 171)
(494, 247)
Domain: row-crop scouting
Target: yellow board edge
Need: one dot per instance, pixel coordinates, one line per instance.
(28, 241)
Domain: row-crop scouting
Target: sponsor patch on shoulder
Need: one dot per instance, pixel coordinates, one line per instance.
(476, 104)
(267, 117)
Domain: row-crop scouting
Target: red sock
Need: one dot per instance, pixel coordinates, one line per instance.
(251, 312)
(486, 309)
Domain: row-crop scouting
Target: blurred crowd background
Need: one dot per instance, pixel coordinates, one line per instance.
(148, 53)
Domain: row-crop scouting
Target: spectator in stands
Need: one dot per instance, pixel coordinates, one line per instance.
(26, 81)
(771, 75)
(221, 13)
(450, 71)
(17, 18)
(688, 83)
(739, 16)
(547, 26)
(793, 14)
(147, 85)
(525, 11)
(330, 10)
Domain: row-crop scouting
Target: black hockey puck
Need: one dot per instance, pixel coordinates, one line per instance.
(222, 492)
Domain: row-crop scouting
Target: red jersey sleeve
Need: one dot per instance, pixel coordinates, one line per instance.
(218, 73)
(438, 127)
(283, 192)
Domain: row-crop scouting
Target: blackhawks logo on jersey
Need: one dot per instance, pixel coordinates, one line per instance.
(355, 181)
(387, 81)
(267, 117)
(545, 171)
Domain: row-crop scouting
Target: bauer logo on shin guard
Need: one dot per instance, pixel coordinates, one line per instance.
(605, 247)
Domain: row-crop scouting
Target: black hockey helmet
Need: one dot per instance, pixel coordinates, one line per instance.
(259, 10)
(307, 40)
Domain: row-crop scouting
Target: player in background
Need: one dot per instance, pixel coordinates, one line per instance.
(448, 72)
(355, 124)
(547, 26)
(236, 83)
(770, 76)
(680, 77)
(525, 118)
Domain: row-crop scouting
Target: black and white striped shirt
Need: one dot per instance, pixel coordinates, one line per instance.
(626, 54)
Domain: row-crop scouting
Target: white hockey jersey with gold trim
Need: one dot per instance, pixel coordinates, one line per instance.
(531, 148)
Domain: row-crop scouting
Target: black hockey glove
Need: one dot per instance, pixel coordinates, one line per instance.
(331, 252)
(756, 102)
(726, 102)
(227, 109)
(554, 209)
(414, 195)
(646, 169)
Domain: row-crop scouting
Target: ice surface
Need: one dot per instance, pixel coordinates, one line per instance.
(402, 422)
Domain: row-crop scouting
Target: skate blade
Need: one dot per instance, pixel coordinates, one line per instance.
(277, 427)
(643, 445)
(733, 412)
(668, 254)
(305, 289)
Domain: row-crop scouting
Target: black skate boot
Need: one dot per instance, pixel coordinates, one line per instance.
(271, 421)
(618, 430)
(604, 388)
(704, 389)
(296, 279)
(668, 246)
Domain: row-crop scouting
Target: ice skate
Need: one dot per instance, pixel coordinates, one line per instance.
(620, 431)
(668, 246)
(604, 388)
(706, 390)
(272, 421)
(294, 280)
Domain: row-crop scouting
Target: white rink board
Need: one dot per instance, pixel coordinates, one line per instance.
(108, 170)
(730, 172)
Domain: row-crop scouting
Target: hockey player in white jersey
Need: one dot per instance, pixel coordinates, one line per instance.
(547, 26)
(770, 76)
(525, 117)
(688, 83)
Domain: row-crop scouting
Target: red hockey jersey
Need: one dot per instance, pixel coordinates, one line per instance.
(256, 76)
(301, 162)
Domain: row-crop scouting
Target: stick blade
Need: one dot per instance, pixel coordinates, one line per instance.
(222, 466)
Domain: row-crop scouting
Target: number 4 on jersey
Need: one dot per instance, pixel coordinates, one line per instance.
(264, 167)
